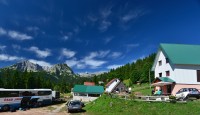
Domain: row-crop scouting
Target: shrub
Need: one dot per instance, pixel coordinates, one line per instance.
(172, 99)
(132, 95)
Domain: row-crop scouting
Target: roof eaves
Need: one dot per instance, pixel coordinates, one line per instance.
(165, 53)
(166, 79)
(155, 60)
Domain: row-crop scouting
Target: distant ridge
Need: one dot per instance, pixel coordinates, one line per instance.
(57, 69)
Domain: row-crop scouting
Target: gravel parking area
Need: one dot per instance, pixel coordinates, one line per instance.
(48, 110)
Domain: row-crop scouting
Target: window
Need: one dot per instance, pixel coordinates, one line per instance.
(93, 95)
(9, 93)
(40, 93)
(181, 90)
(167, 73)
(160, 74)
(167, 60)
(160, 63)
(198, 75)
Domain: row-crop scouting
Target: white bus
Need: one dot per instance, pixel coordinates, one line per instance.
(15, 98)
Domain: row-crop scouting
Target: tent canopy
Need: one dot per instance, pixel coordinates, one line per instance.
(162, 81)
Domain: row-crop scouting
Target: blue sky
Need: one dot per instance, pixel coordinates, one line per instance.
(93, 35)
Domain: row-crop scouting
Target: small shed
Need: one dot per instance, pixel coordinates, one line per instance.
(115, 86)
(87, 93)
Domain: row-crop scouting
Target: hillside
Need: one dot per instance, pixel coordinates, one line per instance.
(131, 73)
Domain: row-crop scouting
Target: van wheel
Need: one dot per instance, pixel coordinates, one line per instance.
(6, 108)
(69, 111)
(197, 97)
(39, 104)
(186, 98)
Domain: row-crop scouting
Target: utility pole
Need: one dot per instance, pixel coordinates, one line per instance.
(150, 79)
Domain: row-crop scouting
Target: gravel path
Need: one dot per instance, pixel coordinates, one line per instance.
(57, 110)
(39, 111)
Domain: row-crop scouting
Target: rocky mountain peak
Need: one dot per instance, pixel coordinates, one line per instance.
(26, 65)
(61, 68)
(58, 69)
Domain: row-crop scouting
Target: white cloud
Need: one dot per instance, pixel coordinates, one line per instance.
(142, 57)
(32, 28)
(19, 36)
(42, 63)
(99, 54)
(93, 63)
(15, 35)
(89, 61)
(2, 47)
(81, 66)
(104, 25)
(133, 15)
(40, 53)
(72, 62)
(2, 31)
(129, 47)
(16, 47)
(75, 63)
(113, 66)
(5, 57)
(108, 39)
(92, 18)
(65, 37)
(106, 11)
(67, 53)
(115, 54)
(104, 22)
(103, 54)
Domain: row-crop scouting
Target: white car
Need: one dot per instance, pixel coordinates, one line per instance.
(185, 93)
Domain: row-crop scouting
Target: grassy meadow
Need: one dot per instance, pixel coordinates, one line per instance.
(110, 106)
(106, 105)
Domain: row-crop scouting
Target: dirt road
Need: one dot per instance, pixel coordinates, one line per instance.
(48, 110)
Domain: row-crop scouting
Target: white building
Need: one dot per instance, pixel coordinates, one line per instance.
(87, 93)
(177, 66)
(115, 85)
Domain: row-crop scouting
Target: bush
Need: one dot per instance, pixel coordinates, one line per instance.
(172, 99)
(132, 95)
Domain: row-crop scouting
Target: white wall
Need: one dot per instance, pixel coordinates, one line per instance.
(186, 74)
(84, 98)
(164, 67)
(110, 87)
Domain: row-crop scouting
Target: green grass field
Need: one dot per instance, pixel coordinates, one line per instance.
(107, 105)
(144, 89)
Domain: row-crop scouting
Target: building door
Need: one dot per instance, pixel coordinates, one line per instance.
(169, 89)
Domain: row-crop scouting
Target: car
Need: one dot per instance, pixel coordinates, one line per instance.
(74, 106)
(185, 93)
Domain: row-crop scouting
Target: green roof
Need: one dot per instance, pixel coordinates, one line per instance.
(88, 89)
(165, 79)
(181, 53)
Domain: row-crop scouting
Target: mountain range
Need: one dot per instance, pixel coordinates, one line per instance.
(57, 69)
